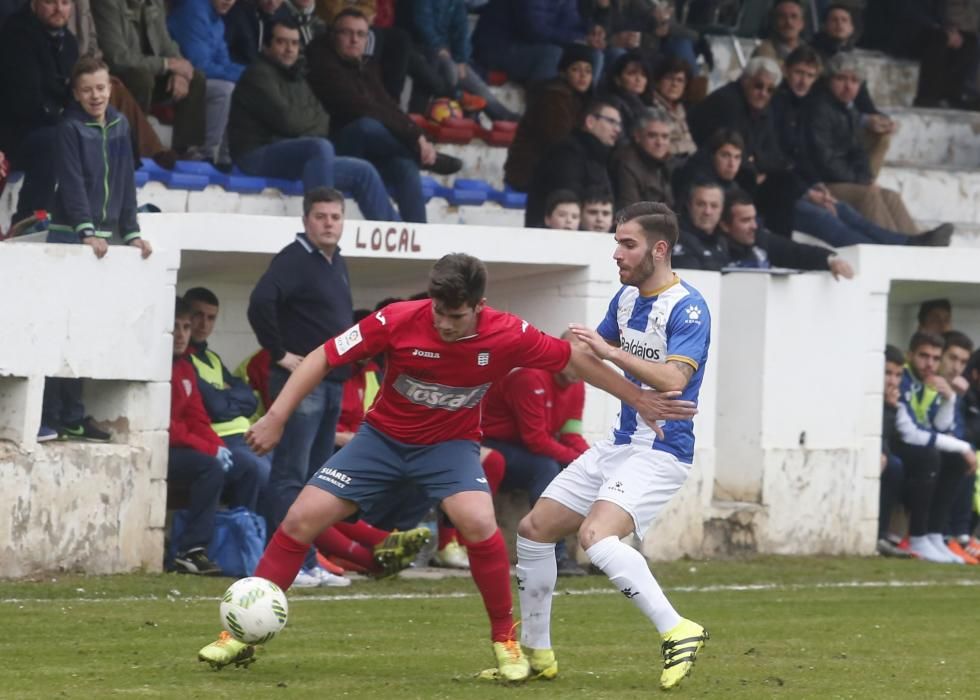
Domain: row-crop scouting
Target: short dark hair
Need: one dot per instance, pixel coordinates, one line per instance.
(321, 194)
(930, 305)
(596, 105)
(920, 338)
(894, 355)
(658, 221)
(726, 137)
(457, 279)
(804, 54)
(735, 197)
(671, 65)
(559, 197)
(597, 194)
(956, 339)
(287, 22)
(202, 294)
(349, 12)
(87, 65)
(704, 183)
(832, 7)
(181, 308)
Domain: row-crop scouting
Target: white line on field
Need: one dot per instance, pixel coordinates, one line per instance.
(342, 597)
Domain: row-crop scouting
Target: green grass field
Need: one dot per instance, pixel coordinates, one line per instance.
(780, 627)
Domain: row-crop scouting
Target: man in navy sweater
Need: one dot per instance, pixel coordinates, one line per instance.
(302, 300)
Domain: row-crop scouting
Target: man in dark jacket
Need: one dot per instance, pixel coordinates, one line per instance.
(641, 167)
(36, 56)
(579, 163)
(524, 38)
(278, 128)
(752, 247)
(699, 245)
(365, 121)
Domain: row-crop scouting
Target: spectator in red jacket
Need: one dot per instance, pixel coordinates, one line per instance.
(198, 457)
(534, 419)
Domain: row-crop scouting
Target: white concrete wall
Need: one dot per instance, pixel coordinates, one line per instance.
(788, 433)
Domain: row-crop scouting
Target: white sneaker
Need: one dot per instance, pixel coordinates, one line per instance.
(924, 549)
(306, 578)
(452, 556)
(325, 578)
(937, 542)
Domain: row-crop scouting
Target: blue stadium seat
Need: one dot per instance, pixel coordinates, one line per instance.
(474, 185)
(509, 198)
(460, 197)
(287, 187)
(174, 178)
(142, 177)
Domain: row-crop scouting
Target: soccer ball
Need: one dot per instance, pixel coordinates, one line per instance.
(254, 610)
(443, 109)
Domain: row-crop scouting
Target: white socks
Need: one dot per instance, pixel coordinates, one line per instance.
(537, 572)
(629, 572)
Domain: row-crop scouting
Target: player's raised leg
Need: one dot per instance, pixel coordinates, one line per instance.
(601, 535)
(537, 572)
(313, 511)
(472, 514)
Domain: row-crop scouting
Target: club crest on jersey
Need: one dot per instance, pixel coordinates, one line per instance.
(483, 358)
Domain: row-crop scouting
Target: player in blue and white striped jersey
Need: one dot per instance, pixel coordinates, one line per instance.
(657, 331)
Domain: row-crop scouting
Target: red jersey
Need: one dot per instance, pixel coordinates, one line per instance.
(432, 389)
(528, 407)
(190, 425)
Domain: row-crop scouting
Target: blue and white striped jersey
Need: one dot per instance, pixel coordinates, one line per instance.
(673, 324)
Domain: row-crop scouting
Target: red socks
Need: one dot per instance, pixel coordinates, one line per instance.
(282, 559)
(332, 541)
(494, 467)
(490, 568)
(362, 532)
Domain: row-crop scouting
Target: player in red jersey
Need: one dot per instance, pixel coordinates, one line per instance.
(442, 354)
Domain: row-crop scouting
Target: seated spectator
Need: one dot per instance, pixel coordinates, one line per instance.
(754, 247)
(627, 85)
(719, 161)
(817, 212)
(579, 163)
(935, 316)
(926, 411)
(524, 38)
(246, 25)
(670, 79)
(140, 51)
(365, 121)
(890, 493)
(199, 31)
(699, 245)
(943, 37)
(95, 203)
(562, 210)
(672, 40)
(744, 106)
(786, 31)
(837, 36)
(197, 457)
(310, 24)
(641, 168)
(442, 28)
(553, 111)
(36, 58)
(534, 419)
(278, 128)
(839, 160)
(228, 401)
(953, 470)
(597, 211)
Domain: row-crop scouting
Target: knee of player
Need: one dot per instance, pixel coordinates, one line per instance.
(531, 529)
(588, 535)
(476, 527)
(299, 526)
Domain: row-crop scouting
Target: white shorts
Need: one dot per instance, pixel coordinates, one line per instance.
(638, 479)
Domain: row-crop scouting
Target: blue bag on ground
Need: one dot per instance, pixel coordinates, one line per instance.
(238, 541)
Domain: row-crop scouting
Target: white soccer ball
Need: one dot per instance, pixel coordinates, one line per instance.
(254, 610)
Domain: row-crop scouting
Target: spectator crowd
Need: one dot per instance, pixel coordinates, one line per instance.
(617, 111)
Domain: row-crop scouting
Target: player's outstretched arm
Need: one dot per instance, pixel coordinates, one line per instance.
(669, 376)
(267, 431)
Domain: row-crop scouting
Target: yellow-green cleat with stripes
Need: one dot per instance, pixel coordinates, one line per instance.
(544, 665)
(680, 649)
(227, 650)
(398, 550)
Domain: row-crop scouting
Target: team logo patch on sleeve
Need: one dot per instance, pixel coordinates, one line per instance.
(348, 340)
(693, 313)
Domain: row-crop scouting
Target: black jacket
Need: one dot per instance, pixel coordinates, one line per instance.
(579, 163)
(835, 148)
(638, 177)
(697, 250)
(790, 116)
(771, 250)
(827, 48)
(302, 301)
(35, 67)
